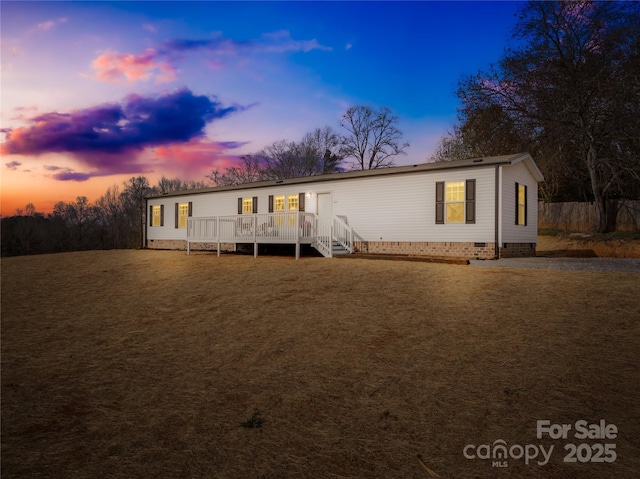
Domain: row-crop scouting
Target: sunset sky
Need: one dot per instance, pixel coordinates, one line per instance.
(93, 93)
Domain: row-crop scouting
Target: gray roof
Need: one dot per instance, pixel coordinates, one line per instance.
(443, 165)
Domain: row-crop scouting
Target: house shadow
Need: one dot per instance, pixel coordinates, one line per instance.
(567, 253)
(306, 250)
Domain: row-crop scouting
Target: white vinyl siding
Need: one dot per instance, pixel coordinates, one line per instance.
(512, 233)
(394, 207)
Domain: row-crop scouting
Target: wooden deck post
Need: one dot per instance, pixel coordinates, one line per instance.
(218, 233)
(299, 226)
(255, 239)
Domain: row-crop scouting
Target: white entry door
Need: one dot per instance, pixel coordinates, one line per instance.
(325, 207)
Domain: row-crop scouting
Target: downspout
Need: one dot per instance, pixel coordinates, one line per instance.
(496, 244)
(146, 223)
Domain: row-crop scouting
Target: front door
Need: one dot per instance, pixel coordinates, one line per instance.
(325, 207)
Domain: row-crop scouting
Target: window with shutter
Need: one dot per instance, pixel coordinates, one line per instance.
(456, 202)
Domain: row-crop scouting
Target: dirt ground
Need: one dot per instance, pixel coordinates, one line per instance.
(143, 364)
(588, 245)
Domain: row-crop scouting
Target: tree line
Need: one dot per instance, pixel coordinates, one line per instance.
(115, 220)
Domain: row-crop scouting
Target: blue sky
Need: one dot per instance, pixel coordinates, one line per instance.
(87, 87)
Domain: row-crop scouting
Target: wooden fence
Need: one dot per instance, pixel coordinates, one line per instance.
(622, 215)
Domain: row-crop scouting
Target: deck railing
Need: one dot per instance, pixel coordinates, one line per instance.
(202, 229)
(298, 227)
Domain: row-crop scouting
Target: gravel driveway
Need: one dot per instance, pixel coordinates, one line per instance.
(569, 264)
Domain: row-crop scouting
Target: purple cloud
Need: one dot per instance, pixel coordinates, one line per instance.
(159, 62)
(13, 165)
(137, 123)
(275, 42)
(73, 176)
(109, 137)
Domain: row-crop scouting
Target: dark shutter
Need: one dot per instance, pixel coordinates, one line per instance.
(470, 201)
(239, 206)
(300, 201)
(270, 203)
(254, 205)
(439, 202)
(177, 213)
(525, 205)
(151, 215)
(517, 201)
(161, 215)
(190, 213)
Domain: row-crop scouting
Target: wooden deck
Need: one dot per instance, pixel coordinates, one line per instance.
(274, 228)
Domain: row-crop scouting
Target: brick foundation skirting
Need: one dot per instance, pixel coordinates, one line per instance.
(517, 250)
(467, 250)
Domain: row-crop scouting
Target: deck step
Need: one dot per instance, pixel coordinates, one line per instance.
(337, 248)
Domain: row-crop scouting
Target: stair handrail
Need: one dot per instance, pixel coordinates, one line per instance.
(343, 233)
(322, 240)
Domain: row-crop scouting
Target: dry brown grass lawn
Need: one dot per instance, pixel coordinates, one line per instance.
(140, 364)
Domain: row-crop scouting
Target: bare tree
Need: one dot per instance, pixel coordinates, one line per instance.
(167, 185)
(316, 154)
(319, 151)
(109, 209)
(571, 88)
(452, 146)
(281, 160)
(135, 191)
(372, 138)
(250, 170)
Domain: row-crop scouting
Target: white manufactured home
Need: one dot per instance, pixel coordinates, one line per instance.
(484, 208)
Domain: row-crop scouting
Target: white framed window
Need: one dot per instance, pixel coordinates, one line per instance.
(292, 203)
(278, 203)
(156, 215)
(247, 206)
(521, 204)
(454, 201)
(183, 214)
